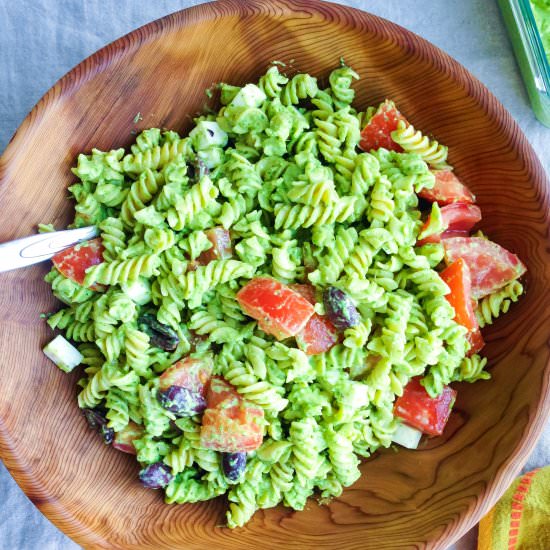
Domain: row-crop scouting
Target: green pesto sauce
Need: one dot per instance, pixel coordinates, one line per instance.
(541, 11)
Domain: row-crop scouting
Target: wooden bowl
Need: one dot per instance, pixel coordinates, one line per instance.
(421, 499)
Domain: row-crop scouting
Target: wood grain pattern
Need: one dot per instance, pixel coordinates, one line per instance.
(413, 499)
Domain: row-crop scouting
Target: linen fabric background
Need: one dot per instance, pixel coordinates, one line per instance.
(40, 40)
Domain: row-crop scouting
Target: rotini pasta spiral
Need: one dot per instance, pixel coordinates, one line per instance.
(492, 306)
(272, 82)
(332, 264)
(293, 216)
(471, 369)
(382, 205)
(116, 272)
(218, 331)
(89, 211)
(169, 314)
(365, 172)
(242, 174)
(340, 84)
(362, 255)
(188, 489)
(193, 202)
(195, 283)
(159, 240)
(155, 418)
(146, 140)
(108, 376)
(357, 337)
(110, 194)
(111, 344)
(328, 140)
(113, 238)
(141, 192)
(413, 141)
(157, 157)
(181, 457)
(342, 458)
(118, 408)
(305, 449)
(283, 267)
(299, 87)
(313, 194)
(136, 344)
(344, 166)
(81, 332)
(231, 211)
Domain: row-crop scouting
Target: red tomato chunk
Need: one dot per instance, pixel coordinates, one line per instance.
(377, 132)
(458, 219)
(219, 391)
(419, 410)
(460, 216)
(491, 265)
(306, 291)
(447, 189)
(318, 336)
(278, 309)
(189, 373)
(221, 246)
(124, 440)
(232, 430)
(230, 424)
(450, 233)
(74, 261)
(476, 342)
(457, 277)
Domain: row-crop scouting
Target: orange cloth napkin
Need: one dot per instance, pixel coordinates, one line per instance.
(521, 518)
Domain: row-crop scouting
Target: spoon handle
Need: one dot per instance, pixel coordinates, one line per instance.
(35, 249)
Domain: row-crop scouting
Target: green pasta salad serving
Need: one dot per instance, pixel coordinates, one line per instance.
(275, 296)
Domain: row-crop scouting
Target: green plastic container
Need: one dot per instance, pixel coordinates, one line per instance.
(532, 60)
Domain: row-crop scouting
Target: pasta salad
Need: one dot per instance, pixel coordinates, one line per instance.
(275, 296)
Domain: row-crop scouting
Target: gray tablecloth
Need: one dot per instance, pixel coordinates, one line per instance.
(40, 40)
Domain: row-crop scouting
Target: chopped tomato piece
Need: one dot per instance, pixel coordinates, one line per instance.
(476, 341)
(491, 265)
(447, 189)
(279, 310)
(419, 410)
(306, 291)
(460, 216)
(377, 132)
(221, 246)
(189, 373)
(457, 217)
(230, 423)
(457, 277)
(74, 261)
(232, 429)
(318, 336)
(450, 233)
(220, 391)
(124, 440)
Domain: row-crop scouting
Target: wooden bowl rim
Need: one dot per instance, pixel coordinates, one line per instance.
(21, 471)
